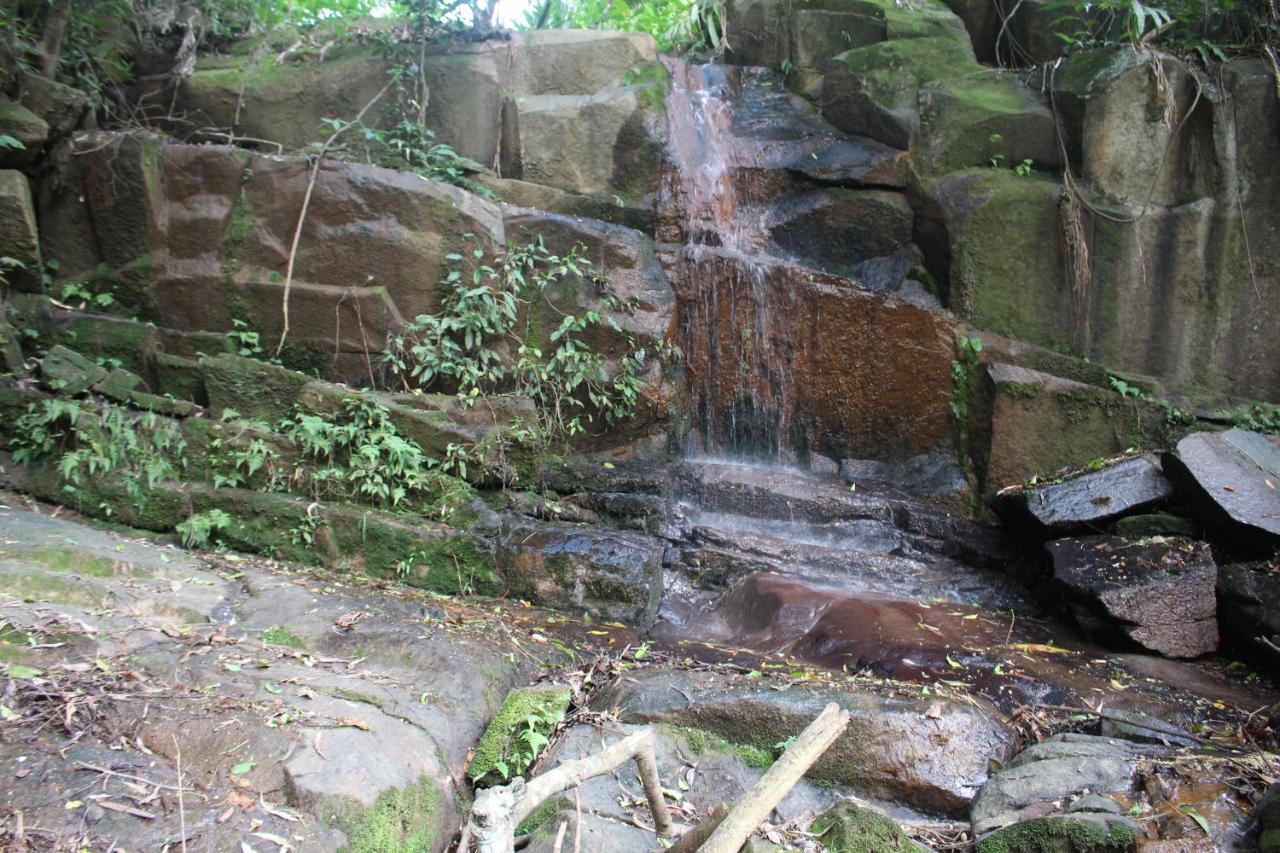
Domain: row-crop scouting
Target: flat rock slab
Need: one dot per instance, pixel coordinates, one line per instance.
(1233, 479)
(1160, 592)
(1091, 497)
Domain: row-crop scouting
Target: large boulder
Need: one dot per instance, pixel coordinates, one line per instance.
(19, 238)
(862, 234)
(1249, 601)
(1045, 777)
(1232, 479)
(1160, 592)
(1037, 423)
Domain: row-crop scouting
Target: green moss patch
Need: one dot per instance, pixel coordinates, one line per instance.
(848, 828)
(504, 743)
(278, 635)
(402, 820)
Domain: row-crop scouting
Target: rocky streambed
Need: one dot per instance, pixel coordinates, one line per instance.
(154, 694)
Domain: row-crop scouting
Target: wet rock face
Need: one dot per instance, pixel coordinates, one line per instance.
(1091, 497)
(793, 362)
(612, 575)
(1233, 480)
(930, 756)
(1158, 592)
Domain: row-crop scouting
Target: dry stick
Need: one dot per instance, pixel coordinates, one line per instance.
(498, 811)
(1114, 718)
(765, 795)
(306, 202)
(182, 811)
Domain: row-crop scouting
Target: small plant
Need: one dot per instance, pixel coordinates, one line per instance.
(1025, 169)
(81, 297)
(199, 530)
(461, 349)
(247, 342)
(962, 376)
(527, 742)
(91, 440)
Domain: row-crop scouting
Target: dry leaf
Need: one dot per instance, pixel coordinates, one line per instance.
(355, 723)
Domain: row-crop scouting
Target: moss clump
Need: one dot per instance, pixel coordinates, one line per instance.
(539, 708)
(541, 815)
(651, 80)
(278, 635)
(1077, 834)
(847, 828)
(402, 820)
(68, 560)
(701, 741)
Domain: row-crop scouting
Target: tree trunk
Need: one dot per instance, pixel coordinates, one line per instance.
(52, 31)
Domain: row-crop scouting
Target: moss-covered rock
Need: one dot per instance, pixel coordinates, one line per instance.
(253, 388)
(1076, 833)
(530, 708)
(29, 129)
(19, 237)
(849, 828)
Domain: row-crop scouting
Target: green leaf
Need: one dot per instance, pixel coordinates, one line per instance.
(19, 671)
(1190, 812)
(243, 767)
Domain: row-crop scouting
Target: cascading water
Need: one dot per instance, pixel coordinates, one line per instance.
(715, 221)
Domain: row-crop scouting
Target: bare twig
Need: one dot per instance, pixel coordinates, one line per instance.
(182, 811)
(306, 202)
(765, 795)
(498, 811)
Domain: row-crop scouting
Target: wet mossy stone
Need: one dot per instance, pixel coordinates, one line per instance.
(1075, 833)
(253, 388)
(118, 384)
(849, 828)
(543, 706)
(68, 372)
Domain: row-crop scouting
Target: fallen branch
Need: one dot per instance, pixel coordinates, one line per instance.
(775, 784)
(306, 202)
(498, 811)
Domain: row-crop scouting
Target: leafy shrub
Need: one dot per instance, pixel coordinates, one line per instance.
(676, 25)
(483, 342)
(199, 530)
(97, 438)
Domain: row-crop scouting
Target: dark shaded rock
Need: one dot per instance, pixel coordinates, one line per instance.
(1266, 816)
(251, 387)
(1041, 779)
(1249, 603)
(1232, 479)
(68, 372)
(1159, 592)
(1089, 498)
(62, 107)
(27, 128)
(838, 230)
(610, 574)
(933, 473)
(1156, 524)
(931, 756)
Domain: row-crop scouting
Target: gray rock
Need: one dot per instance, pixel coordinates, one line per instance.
(610, 574)
(27, 128)
(1069, 833)
(1088, 499)
(1044, 777)
(1158, 592)
(68, 372)
(63, 108)
(1232, 479)
(933, 473)
(19, 237)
